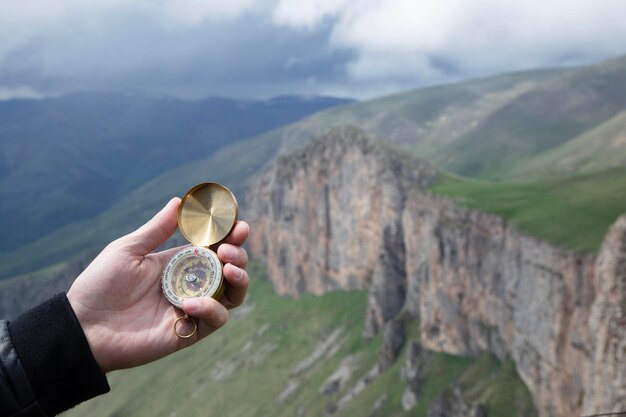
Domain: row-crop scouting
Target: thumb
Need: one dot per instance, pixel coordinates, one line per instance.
(156, 231)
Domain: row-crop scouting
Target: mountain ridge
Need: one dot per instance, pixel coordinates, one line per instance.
(479, 128)
(466, 281)
(256, 153)
(71, 157)
(597, 149)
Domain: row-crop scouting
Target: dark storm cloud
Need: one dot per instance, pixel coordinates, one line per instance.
(242, 57)
(256, 48)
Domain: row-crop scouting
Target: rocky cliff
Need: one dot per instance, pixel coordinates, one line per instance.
(349, 212)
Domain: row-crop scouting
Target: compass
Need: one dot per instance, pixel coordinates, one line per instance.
(192, 272)
(206, 215)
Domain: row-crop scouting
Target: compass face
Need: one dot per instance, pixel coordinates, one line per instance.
(192, 272)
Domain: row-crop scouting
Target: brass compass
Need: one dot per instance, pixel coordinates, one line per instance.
(206, 215)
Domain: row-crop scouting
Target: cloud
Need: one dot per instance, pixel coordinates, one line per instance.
(252, 48)
(186, 48)
(411, 38)
(18, 92)
(196, 11)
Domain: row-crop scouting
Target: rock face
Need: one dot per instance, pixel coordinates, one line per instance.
(606, 374)
(452, 404)
(349, 212)
(323, 216)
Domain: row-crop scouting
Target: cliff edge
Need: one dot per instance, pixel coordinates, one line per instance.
(350, 212)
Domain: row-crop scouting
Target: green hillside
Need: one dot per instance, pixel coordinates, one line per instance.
(555, 112)
(482, 128)
(245, 369)
(595, 150)
(572, 212)
(425, 121)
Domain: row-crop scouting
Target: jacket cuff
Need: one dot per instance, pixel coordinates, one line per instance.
(56, 356)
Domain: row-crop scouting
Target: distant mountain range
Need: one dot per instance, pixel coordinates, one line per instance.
(490, 129)
(70, 158)
(483, 128)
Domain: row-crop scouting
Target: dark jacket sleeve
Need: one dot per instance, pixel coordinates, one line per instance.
(46, 365)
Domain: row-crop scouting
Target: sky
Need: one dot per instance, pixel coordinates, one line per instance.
(265, 48)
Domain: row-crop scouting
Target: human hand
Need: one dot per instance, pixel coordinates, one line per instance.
(119, 303)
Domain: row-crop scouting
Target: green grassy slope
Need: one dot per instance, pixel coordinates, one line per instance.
(481, 128)
(572, 212)
(425, 120)
(243, 369)
(557, 111)
(595, 150)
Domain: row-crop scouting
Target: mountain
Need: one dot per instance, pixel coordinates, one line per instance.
(483, 128)
(348, 212)
(232, 166)
(573, 212)
(549, 115)
(597, 149)
(429, 122)
(440, 281)
(69, 158)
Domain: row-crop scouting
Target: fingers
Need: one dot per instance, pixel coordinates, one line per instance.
(211, 314)
(156, 231)
(237, 282)
(231, 254)
(235, 260)
(239, 234)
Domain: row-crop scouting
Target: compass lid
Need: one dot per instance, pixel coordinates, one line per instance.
(207, 214)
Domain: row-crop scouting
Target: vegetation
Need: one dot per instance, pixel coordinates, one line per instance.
(572, 212)
(242, 369)
(497, 385)
(596, 150)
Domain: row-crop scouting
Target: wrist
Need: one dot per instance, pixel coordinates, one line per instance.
(91, 331)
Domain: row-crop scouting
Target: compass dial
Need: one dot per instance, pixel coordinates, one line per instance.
(206, 215)
(193, 272)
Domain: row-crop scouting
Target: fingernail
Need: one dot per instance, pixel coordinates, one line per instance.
(192, 305)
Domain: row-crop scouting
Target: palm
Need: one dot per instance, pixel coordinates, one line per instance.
(119, 302)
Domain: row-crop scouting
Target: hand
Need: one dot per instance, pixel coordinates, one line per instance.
(120, 305)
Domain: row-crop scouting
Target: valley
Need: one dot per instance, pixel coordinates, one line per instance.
(455, 255)
(273, 354)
